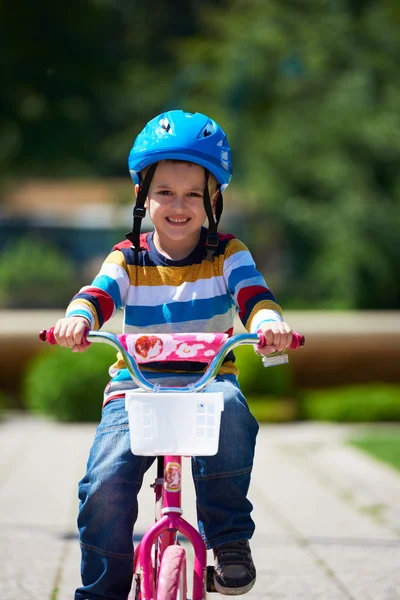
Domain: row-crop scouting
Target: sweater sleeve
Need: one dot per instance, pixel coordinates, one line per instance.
(107, 292)
(254, 300)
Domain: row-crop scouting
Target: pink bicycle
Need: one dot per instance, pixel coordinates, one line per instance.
(156, 420)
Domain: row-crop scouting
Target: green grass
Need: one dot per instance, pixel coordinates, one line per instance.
(384, 447)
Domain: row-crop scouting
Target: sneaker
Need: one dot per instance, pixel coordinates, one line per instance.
(234, 571)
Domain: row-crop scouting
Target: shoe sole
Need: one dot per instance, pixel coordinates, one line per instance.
(238, 591)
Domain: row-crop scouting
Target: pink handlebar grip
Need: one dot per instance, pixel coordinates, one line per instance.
(297, 340)
(48, 336)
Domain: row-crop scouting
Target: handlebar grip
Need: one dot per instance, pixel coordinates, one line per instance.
(47, 335)
(297, 340)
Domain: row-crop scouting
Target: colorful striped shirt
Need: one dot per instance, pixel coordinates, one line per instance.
(192, 295)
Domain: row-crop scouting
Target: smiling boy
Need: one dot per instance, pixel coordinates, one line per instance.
(181, 277)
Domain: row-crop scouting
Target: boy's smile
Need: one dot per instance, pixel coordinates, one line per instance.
(176, 207)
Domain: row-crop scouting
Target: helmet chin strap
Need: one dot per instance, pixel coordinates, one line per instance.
(212, 236)
(139, 211)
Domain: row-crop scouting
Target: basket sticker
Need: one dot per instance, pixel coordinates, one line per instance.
(172, 476)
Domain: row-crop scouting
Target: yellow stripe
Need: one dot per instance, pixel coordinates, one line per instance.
(269, 304)
(158, 276)
(81, 301)
(234, 246)
(226, 368)
(116, 258)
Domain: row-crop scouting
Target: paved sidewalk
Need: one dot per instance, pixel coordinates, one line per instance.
(328, 517)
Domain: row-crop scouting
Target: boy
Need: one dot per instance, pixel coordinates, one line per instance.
(182, 278)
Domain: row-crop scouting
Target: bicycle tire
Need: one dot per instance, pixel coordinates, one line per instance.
(172, 578)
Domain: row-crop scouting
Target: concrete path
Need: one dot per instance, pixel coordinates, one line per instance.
(328, 517)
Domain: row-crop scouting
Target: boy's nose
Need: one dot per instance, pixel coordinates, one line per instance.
(177, 200)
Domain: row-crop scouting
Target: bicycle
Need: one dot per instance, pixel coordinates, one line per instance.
(159, 562)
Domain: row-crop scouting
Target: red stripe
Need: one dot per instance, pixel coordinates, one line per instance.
(113, 397)
(105, 301)
(128, 243)
(226, 236)
(247, 293)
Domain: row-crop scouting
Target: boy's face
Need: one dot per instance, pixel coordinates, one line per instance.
(175, 201)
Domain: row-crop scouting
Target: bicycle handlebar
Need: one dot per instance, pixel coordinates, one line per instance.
(255, 339)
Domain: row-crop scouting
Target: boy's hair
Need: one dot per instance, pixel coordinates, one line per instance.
(213, 185)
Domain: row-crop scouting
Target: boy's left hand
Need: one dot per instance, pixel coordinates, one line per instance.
(278, 336)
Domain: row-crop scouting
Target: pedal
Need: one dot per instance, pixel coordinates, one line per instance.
(210, 580)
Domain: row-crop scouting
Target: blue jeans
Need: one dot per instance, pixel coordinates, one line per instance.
(108, 493)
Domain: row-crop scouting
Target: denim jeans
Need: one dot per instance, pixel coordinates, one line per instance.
(108, 506)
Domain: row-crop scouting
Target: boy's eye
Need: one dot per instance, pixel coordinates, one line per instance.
(164, 192)
(195, 195)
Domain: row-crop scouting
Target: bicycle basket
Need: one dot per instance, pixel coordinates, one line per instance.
(184, 424)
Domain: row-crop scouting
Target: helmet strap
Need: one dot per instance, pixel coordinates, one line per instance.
(139, 211)
(212, 236)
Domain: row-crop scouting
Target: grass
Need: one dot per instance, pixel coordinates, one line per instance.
(383, 446)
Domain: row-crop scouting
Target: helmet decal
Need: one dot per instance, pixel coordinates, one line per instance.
(164, 124)
(208, 129)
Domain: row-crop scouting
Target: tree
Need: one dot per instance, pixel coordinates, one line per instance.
(308, 92)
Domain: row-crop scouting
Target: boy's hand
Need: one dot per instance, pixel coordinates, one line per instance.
(278, 336)
(69, 333)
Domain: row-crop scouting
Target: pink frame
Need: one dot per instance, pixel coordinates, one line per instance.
(170, 520)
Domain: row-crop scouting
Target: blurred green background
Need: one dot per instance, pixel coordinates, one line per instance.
(308, 92)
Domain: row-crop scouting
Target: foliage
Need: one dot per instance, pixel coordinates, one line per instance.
(68, 386)
(357, 403)
(308, 92)
(257, 380)
(384, 446)
(35, 274)
(270, 409)
(76, 90)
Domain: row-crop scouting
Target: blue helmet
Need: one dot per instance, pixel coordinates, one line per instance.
(183, 136)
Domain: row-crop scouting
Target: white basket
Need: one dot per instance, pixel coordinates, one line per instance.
(184, 424)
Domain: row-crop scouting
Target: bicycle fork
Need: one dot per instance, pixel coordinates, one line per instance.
(169, 523)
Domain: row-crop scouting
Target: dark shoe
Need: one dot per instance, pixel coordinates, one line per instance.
(234, 571)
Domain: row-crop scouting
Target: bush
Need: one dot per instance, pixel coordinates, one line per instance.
(270, 409)
(357, 403)
(35, 274)
(68, 386)
(255, 379)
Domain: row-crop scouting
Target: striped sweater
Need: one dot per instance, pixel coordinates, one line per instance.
(161, 295)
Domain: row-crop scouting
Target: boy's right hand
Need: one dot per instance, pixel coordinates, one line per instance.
(69, 333)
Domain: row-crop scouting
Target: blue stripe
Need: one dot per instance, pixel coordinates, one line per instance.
(177, 312)
(240, 275)
(109, 285)
(81, 313)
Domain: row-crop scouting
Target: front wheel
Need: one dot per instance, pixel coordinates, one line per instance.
(172, 577)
